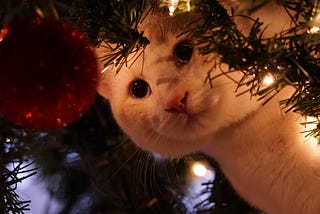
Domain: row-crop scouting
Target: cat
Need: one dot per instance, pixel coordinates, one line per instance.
(163, 103)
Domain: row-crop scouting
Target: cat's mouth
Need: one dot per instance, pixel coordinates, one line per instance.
(181, 111)
(178, 124)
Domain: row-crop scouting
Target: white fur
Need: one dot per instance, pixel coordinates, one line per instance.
(259, 148)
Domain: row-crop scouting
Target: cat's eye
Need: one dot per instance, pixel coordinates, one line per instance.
(139, 89)
(183, 51)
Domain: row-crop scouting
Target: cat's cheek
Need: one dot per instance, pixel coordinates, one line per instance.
(130, 114)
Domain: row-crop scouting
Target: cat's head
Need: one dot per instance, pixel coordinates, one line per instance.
(164, 101)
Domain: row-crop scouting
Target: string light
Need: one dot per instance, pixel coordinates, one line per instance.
(268, 80)
(172, 5)
(188, 5)
(314, 30)
(315, 20)
(199, 169)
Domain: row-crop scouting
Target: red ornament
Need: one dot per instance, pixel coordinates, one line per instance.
(49, 73)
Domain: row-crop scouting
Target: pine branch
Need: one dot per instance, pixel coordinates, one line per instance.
(15, 146)
(12, 200)
(291, 56)
(113, 21)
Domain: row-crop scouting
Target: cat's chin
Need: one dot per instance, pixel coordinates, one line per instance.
(171, 147)
(177, 125)
(187, 135)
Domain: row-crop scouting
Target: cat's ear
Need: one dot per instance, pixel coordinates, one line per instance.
(104, 88)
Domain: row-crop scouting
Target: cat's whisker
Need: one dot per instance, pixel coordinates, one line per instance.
(226, 85)
(120, 144)
(141, 168)
(160, 120)
(154, 137)
(153, 181)
(124, 163)
(146, 173)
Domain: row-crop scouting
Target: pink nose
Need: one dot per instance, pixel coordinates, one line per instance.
(177, 103)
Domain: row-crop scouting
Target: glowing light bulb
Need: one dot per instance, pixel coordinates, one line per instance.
(171, 10)
(315, 22)
(314, 30)
(188, 5)
(172, 5)
(199, 169)
(268, 80)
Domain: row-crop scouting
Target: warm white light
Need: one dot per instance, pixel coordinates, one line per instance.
(199, 169)
(315, 23)
(268, 80)
(200, 172)
(314, 30)
(188, 5)
(171, 10)
(172, 5)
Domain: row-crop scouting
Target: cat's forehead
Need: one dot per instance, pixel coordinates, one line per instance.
(160, 26)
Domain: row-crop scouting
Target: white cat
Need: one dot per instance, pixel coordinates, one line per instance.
(164, 105)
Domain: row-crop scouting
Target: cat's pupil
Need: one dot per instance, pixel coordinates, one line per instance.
(183, 51)
(139, 89)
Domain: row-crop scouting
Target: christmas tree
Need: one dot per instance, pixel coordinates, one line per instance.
(88, 164)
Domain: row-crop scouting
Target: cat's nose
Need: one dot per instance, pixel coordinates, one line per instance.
(177, 103)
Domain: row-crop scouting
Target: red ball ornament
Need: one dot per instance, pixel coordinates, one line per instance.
(49, 73)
